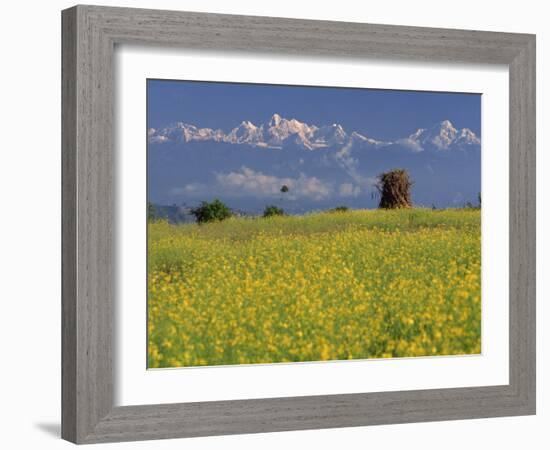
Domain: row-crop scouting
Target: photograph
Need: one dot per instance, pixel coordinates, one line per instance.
(295, 224)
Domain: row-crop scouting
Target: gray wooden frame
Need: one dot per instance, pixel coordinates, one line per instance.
(89, 36)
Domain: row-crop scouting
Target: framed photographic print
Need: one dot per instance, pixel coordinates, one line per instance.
(267, 222)
(293, 241)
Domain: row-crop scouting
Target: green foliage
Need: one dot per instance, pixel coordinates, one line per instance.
(214, 211)
(272, 210)
(339, 209)
(151, 213)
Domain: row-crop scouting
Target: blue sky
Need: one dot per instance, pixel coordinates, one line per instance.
(247, 177)
(381, 114)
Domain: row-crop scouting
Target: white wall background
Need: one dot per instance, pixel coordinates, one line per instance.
(30, 236)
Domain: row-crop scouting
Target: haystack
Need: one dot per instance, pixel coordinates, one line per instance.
(395, 189)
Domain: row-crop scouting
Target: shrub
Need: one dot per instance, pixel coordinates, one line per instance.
(272, 210)
(339, 209)
(211, 212)
(151, 212)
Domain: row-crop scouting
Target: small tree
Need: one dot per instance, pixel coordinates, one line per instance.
(272, 210)
(151, 212)
(284, 189)
(211, 212)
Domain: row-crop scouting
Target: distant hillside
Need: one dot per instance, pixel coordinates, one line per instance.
(181, 214)
(173, 213)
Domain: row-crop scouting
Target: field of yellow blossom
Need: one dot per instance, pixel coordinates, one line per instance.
(325, 286)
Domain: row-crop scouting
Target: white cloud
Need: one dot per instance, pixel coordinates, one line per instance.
(250, 183)
(411, 144)
(350, 165)
(247, 182)
(349, 190)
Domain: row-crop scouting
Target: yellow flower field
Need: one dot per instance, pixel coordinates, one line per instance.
(324, 286)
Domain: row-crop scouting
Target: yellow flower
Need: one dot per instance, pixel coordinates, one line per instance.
(315, 287)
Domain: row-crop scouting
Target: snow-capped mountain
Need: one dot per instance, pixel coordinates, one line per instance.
(441, 136)
(279, 132)
(323, 165)
(272, 134)
(184, 132)
(245, 133)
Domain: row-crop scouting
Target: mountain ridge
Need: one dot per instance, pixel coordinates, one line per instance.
(279, 132)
